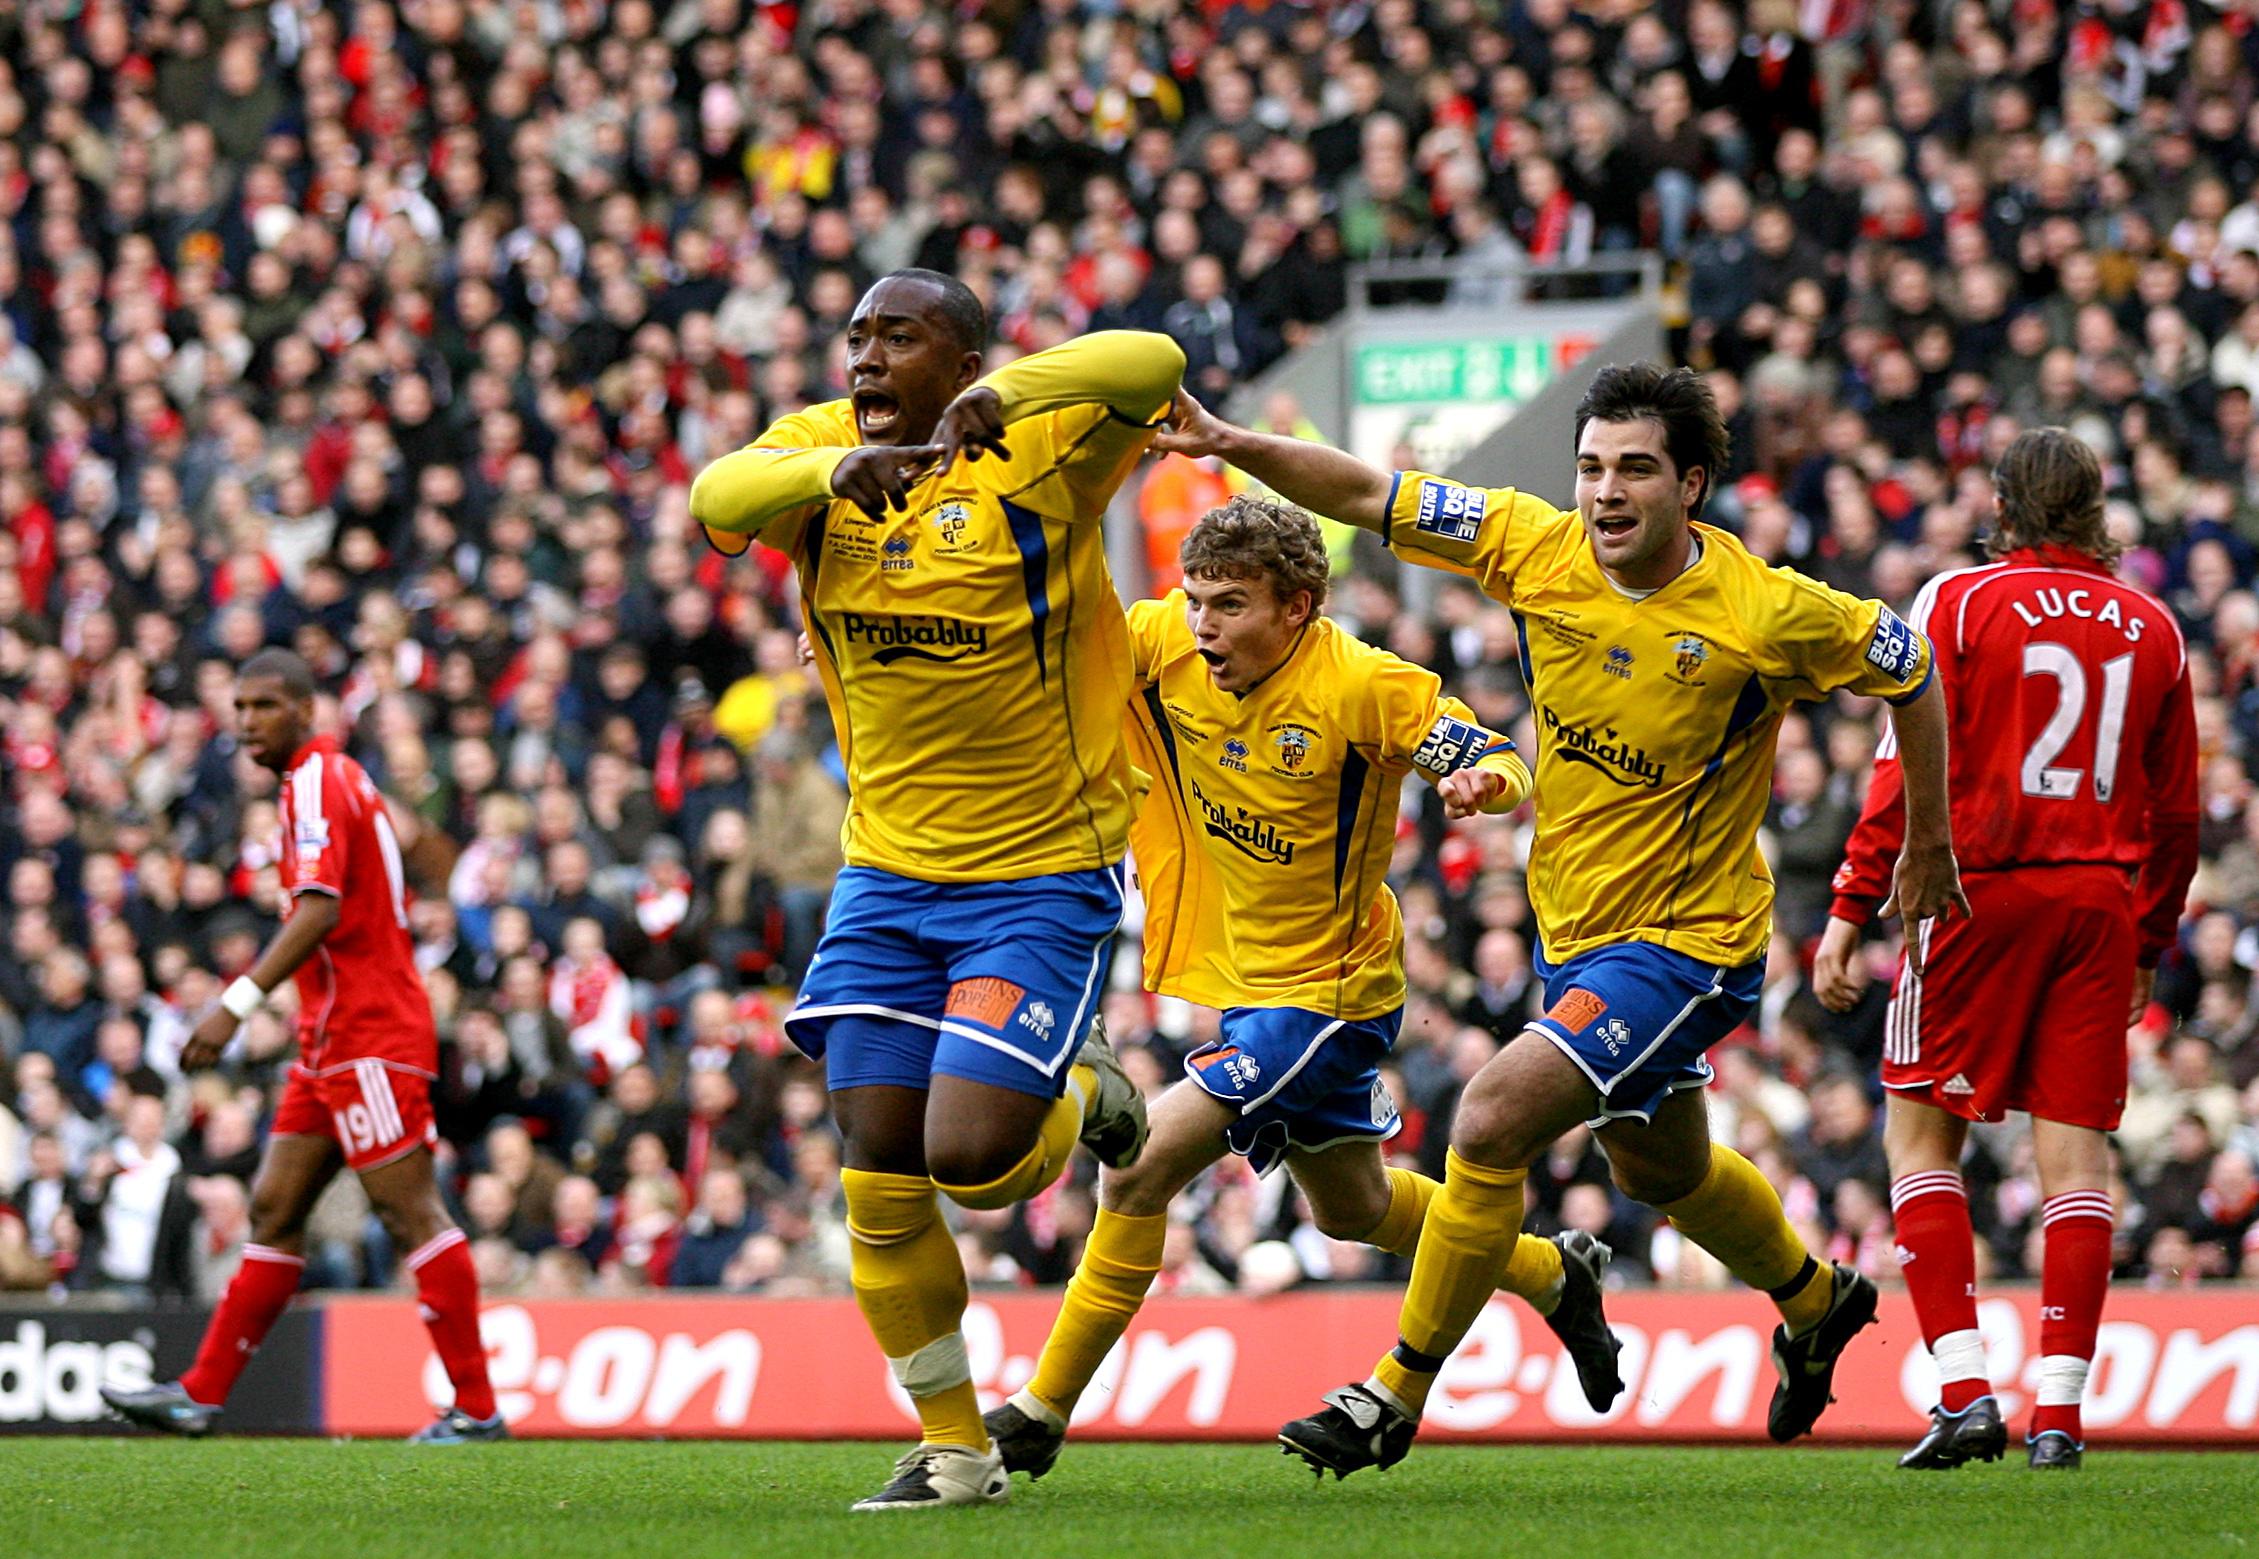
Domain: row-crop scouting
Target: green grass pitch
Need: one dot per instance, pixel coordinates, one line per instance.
(131, 1496)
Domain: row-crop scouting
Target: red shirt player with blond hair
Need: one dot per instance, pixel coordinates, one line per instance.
(2073, 785)
(359, 1097)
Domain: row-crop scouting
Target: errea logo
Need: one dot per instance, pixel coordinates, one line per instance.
(1039, 1019)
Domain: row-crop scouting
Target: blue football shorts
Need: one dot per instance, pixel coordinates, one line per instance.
(1637, 1019)
(1299, 1080)
(995, 982)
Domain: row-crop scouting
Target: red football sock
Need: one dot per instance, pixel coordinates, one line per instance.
(259, 1291)
(1937, 1255)
(447, 1286)
(2074, 1277)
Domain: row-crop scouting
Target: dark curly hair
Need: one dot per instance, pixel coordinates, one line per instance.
(2050, 487)
(1694, 434)
(1260, 538)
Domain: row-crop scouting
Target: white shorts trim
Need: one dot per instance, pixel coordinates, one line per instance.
(867, 1009)
(1377, 1135)
(1902, 1019)
(1562, 1045)
(1647, 1117)
(1295, 1070)
(1717, 986)
(303, 1070)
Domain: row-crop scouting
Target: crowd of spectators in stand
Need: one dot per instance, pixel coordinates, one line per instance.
(395, 332)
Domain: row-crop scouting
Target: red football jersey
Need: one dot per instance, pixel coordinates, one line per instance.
(2073, 735)
(360, 996)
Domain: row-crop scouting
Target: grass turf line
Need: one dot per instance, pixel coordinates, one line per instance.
(133, 1496)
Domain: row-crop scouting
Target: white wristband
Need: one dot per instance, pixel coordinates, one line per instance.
(243, 998)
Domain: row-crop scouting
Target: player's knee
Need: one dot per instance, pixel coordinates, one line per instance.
(1655, 1185)
(1348, 1221)
(1139, 1191)
(275, 1222)
(1481, 1124)
(412, 1226)
(975, 1175)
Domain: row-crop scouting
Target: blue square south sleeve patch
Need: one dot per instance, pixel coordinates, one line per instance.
(1450, 746)
(1451, 511)
(1895, 650)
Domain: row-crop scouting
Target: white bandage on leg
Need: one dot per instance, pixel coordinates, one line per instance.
(2062, 1379)
(936, 1367)
(1960, 1356)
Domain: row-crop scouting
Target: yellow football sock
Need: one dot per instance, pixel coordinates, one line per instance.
(1533, 1272)
(1117, 1267)
(1047, 1159)
(910, 1286)
(1736, 1216)
(1465, 1243)
(1409, 1193)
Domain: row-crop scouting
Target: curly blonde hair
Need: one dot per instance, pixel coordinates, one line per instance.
(1260, 538)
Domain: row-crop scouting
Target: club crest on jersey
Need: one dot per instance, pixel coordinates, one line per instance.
(1293, 743)
(897, 559)
(1619, 662)
(1688, 655)
(951, 521)
(1451, 511)
(1234, 756)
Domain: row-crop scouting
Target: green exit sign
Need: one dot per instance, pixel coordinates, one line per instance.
(1502, 369)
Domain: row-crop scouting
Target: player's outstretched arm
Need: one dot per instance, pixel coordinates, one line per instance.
(1132, 373)
(1928, 880)
(741, 493)
(310, 923)
(1324, 481)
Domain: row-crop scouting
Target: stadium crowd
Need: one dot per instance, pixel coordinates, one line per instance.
(394, 333)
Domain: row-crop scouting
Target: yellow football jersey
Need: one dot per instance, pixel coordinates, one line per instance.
(1263, 847)
(972, 647)
(1656, 716)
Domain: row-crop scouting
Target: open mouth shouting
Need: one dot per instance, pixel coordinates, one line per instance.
(1615, 526)
(877, 415)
